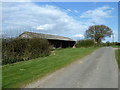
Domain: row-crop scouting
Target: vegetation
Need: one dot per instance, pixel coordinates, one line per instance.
(21, 73)
(85, 43)
(91, 43)
(98, 32)
(114, 45)
(15, 50)
(117, 55)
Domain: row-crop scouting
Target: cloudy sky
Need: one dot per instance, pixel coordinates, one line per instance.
(69, 19)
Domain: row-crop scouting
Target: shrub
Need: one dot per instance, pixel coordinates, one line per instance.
(15, 50)
(110, 44)
(37, 48)
(85, 43)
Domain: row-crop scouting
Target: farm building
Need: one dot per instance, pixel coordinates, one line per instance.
(54, 41)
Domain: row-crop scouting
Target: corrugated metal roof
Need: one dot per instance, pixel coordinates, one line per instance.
(44, 36)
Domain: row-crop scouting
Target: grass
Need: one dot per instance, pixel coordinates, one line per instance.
(115, 46)
(117, 55)
(19, 74)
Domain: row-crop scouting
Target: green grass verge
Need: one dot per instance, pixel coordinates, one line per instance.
(115, 46)
(19, 74)
(117, 55)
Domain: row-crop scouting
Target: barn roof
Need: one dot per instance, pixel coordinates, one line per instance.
(44, 36)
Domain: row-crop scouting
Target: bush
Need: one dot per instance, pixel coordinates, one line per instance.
(36, 48)
(85, 43)
(110, 44)
(15, 50)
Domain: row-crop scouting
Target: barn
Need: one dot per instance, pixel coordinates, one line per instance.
(54, 40)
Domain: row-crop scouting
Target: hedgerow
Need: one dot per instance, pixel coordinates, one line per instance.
(84, 43)
(16, 50)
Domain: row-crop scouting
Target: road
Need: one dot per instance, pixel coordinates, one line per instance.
(97, 70)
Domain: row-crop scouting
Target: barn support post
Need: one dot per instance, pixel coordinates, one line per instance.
(68, 44)
(61, 44)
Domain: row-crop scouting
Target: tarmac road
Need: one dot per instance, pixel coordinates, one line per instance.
(97, 70)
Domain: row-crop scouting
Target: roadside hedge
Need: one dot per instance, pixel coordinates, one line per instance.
(16, 50)
(85, 43)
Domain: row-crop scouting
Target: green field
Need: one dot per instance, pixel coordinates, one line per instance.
(21, 73)
(117, 55)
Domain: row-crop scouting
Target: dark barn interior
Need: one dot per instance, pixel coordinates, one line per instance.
(54, 41)
(61, 43)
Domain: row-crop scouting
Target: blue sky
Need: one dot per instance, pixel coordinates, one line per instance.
(69, 19)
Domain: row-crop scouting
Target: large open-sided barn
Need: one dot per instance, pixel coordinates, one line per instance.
(54, 41)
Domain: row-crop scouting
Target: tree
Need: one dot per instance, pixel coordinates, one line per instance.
(98, 33)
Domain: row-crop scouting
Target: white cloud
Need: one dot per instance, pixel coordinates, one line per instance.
(78, 35)
(75, 11)
(45, 18)
(45, 27)
(68, 10)
(97, 15)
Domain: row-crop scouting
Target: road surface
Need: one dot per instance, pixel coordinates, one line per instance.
(97, 70)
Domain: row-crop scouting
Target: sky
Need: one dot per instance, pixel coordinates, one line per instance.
(69, 19)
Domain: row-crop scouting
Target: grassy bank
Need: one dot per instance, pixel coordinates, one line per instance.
(117, 55)
(116, 46)
(21, 73)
